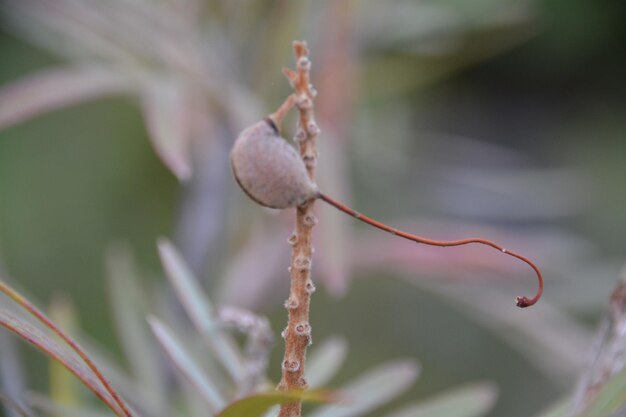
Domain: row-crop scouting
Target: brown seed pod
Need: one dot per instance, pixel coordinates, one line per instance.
(269, 170)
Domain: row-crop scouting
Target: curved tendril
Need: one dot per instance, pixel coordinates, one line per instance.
(521, 301)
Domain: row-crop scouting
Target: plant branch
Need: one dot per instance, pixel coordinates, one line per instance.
(298, 332)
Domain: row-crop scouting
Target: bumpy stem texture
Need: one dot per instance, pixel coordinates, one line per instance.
(297, 335)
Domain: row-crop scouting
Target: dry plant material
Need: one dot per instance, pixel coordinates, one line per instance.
(275, 175)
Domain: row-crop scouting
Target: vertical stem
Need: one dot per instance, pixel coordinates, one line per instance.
(298, 332)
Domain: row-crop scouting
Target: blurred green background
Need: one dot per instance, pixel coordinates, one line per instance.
(506, 118)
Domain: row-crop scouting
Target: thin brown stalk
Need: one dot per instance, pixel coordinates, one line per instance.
(298, 332)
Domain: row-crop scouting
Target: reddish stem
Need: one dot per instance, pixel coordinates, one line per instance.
(520, 301)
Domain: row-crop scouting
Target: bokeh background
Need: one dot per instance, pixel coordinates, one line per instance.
(451, 118)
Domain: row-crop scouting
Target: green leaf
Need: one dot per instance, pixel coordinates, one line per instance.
(200, 311)
(373, 389)
(611, 398)
(63, 385)
(186, 365)
(325, 360)
(51, 348)
(256, 405)
(471, 401)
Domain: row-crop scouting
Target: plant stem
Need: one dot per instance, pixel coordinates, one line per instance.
(298, 332)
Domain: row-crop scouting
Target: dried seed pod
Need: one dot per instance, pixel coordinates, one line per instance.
(269, 170)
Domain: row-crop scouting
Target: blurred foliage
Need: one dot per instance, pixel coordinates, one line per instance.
(495, 117)
(225, 383)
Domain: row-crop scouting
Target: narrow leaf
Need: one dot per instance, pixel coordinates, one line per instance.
(12, 380)
(186, 365)
(200, 311)
(373, 389)
(325, 360)
(611, 398)
(37, 338)
(472, 401)
(63, 385)
(272, 411)
(42, 318)
(256, 405)
(144, 400)
(164, 108)
(13, 407)
(606, 361)
(56, 88)
(129, 309)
